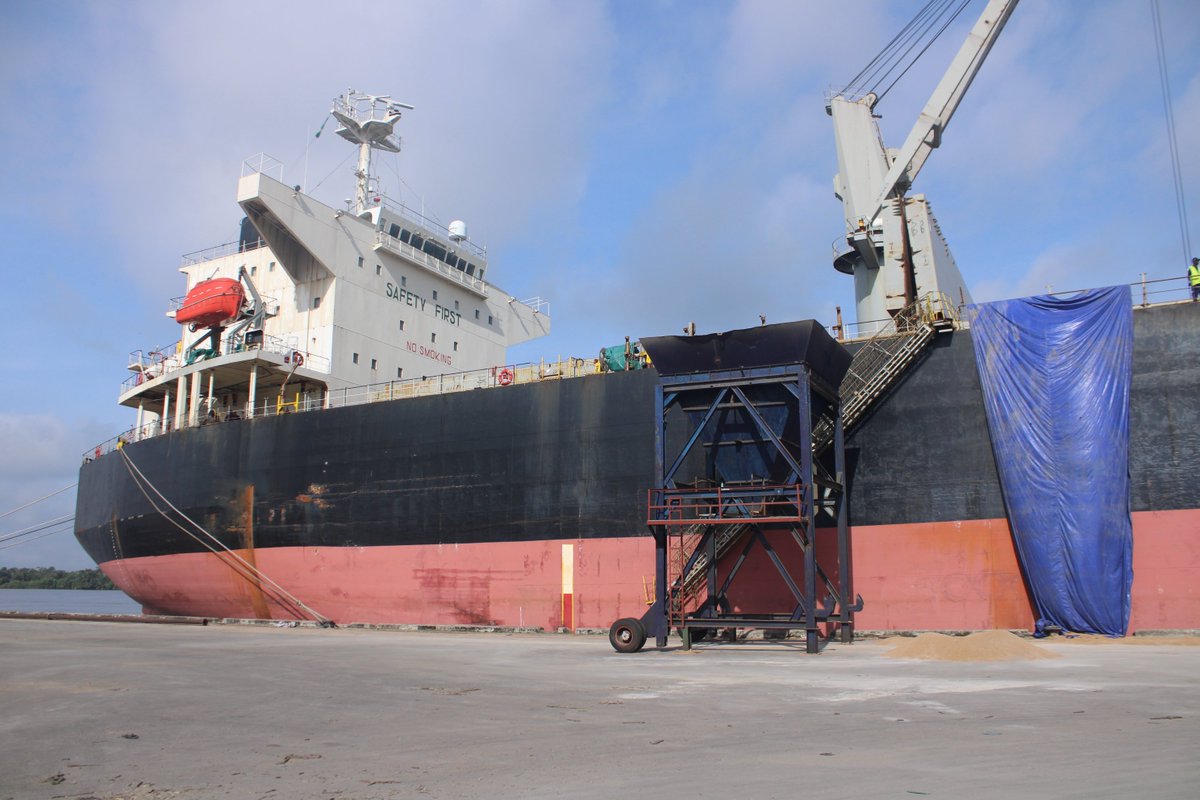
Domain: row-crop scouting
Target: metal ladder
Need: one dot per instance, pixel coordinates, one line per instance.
(876, 367)
(886, 356)
(725, 540)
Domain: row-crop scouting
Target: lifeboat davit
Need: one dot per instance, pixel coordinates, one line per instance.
(211, 302)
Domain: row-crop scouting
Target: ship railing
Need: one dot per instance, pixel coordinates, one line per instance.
(881, 361)
(423, 259)
(295, 401)
(220, 251)
(934, 309)
(434, 227)
(265, 164)
(490, 377)
(288, 348)
(146, 365)
(538, 304)
(1143, 293)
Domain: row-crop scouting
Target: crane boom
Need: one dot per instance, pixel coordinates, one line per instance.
(927, 133)
(894, 246)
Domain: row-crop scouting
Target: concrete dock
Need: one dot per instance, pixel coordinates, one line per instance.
(104, 710)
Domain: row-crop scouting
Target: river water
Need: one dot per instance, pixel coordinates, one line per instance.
(75, 601)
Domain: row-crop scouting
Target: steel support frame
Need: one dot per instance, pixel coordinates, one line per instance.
(806, 614)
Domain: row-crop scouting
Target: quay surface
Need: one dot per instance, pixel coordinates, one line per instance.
(105, 711)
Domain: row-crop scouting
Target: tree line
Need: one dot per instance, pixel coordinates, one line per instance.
(51, 578)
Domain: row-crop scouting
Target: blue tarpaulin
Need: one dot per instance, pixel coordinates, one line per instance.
(1056, 376)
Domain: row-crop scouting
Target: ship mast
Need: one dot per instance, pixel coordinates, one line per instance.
(368, 120)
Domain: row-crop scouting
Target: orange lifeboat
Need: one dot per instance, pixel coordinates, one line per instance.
(211, 302)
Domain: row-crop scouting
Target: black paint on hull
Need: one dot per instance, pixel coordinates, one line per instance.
(573, 459)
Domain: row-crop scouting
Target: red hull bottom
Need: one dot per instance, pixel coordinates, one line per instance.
(928, 576)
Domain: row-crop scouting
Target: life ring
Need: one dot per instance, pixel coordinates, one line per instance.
(297, 358)
(505, 377)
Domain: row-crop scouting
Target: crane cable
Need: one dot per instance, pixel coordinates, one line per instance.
(254, 572)
(896, 52)
(858, 84)
(928, 44)
(1173, 143)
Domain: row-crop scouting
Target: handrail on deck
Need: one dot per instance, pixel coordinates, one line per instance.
(724, 505)
(320, 400)
(1143, 293)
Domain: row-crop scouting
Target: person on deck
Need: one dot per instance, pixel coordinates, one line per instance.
(1194, 278)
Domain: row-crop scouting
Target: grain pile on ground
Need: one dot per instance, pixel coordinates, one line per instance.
(979, 646)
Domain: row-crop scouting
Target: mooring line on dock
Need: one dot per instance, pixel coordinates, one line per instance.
(288, 598)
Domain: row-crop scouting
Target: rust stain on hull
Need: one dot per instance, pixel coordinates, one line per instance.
(257, 601)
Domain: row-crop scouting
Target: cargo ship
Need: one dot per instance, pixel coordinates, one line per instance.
(338, 434)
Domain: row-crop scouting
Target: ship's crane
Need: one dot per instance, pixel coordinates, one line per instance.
(895, 249)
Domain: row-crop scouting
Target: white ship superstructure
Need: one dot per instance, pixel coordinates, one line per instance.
(334, 298)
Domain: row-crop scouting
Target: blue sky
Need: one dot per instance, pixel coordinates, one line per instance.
(639, 164)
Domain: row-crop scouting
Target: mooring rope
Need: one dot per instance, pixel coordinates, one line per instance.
(40, 499)
(139, 478)
(64, 526)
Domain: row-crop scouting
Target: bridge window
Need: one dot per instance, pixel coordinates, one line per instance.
(394, 231)
(434, 249)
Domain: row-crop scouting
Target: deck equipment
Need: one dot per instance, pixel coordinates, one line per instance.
(734, 466)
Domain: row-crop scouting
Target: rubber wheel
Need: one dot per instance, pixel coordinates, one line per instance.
(627, 635)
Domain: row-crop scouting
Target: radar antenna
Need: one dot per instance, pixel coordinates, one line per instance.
(369, 121)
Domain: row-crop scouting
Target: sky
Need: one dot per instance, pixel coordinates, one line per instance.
(639, 165)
